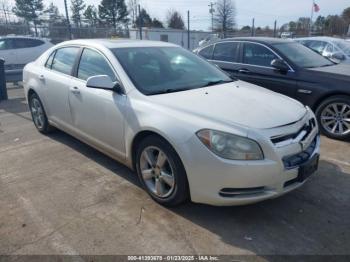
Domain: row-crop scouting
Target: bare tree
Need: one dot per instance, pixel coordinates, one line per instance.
(225, 17)
(132, 6)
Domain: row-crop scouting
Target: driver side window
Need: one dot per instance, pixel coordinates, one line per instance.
(255, 54)
(93, 63)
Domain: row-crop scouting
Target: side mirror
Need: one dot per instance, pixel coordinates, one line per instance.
(280, 65)
(337, 56)
(103, 82)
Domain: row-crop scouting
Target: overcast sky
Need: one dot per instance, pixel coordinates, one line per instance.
(264, 11)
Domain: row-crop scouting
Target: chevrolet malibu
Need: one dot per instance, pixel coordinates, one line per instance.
(189, 131)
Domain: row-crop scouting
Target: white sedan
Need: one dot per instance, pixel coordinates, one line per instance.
(189, 131)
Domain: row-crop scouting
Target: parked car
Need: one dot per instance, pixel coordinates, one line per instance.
(287, 35)
(17, 51)
(333, 48)
(186, 128)
(209, 38)
(291, 69)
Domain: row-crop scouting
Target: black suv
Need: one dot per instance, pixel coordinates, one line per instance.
(292, 69)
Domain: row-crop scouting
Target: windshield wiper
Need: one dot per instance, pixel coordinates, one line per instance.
(217, 82)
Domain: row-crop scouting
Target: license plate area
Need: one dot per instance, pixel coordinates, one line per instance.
(308, 168)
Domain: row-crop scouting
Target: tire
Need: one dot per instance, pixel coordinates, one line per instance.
(39, 115)
(155, 175)
(333, 116)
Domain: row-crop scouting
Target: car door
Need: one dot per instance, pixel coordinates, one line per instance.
(97, 114)
(56, 79)
(255, 67)
(225, 55)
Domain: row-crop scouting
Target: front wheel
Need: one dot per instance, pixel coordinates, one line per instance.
(161, 172)
(333, 115)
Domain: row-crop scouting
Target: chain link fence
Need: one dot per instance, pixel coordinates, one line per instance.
(61, 33)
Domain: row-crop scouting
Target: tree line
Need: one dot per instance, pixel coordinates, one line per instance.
(323, 25)
(116, 14)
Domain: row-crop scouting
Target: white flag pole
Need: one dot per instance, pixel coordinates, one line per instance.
(311, 17)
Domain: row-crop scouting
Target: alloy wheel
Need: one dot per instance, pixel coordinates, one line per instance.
(37, 113)
(157, 172)
(335, 118)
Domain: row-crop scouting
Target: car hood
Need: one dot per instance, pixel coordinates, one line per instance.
(237, 103)
(339, 71)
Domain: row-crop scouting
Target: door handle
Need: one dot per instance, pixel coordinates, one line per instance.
(42, 77)
(75, 90)
(243, 71)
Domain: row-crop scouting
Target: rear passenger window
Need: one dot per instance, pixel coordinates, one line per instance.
(207, 52)
(255, 54)
(93, 63)
(26, 43)
(64, 60)
(48, 63)
(226, 52)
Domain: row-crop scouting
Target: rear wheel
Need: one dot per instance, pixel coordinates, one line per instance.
(38, 114)
(333, 116)
(161, 171)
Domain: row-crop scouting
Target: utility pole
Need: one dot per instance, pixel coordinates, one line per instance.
(188, 29)
(212, 11)
(253, 27)
(68, 22)
(275, 29)
(141, 21)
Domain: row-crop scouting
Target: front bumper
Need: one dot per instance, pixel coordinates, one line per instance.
(217, 181)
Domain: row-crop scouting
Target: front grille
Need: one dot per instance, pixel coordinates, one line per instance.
(301, 134)
(300, 158)
(235, 192)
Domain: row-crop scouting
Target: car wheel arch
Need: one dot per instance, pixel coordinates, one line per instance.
(142, 135)
(320, 100)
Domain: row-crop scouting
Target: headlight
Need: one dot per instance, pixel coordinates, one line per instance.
(230, 146)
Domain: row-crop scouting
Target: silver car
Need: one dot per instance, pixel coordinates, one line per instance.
(335, 49)
(189, 131)
(17, 51)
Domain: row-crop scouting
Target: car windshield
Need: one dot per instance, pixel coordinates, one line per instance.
(343, 45)
(302, 56)
(157, 70)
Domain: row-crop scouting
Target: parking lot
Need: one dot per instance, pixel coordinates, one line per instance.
(60, 196)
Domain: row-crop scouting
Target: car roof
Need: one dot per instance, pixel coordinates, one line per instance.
(117, 43)
(23, 36)
(323, 38)
(262, 40)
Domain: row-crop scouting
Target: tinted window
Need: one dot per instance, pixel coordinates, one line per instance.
(3, 45)
(302, 56)
(155, 70)
(6, 43)
(26, 43)
(226, 52)
(92, 63)
(64, 59)
(49, 60)
(255, 54)
(207, 52)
